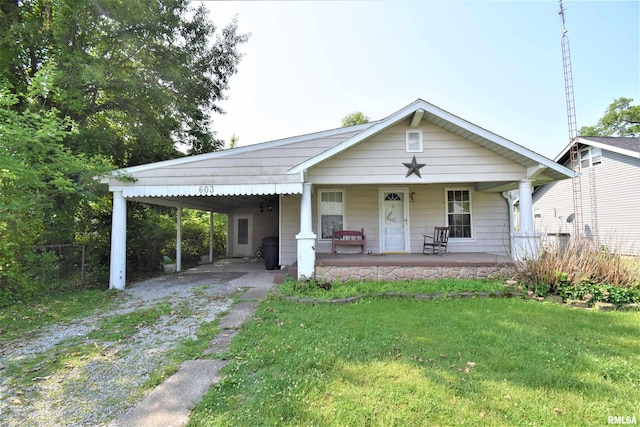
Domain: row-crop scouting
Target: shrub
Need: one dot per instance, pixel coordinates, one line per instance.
(582, 270)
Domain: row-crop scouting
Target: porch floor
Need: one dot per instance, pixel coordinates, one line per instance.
(467, 259)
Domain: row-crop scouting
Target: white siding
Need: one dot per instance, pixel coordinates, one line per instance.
(289, 228)
(610, 203)
(448, 158)
(264, 224)
(490, 216)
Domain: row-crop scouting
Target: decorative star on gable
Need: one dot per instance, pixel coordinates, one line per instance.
(414, 167)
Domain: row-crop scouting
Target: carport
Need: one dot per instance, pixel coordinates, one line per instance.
(231, 182)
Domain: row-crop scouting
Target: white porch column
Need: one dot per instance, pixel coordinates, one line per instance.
(210, 236)
(306, 238)
(526, 206)
(179, 240)
(118, 262)
(526, 240)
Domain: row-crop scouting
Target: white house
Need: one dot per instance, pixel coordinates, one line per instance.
(396, 178)
(610, 194)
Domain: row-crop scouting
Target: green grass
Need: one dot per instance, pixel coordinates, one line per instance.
(17, 321)
(23, 319)
(352, 288)
(119, 327)
(406, 362)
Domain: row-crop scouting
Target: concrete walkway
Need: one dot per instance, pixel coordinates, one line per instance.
(170, 404)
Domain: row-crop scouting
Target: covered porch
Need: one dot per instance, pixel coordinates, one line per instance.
(392, 267)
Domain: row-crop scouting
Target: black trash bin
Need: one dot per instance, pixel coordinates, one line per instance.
(270, 252)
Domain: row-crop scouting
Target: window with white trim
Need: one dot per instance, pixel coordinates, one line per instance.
(590, 157)
(414, 141)
(459, 213)
(331, 211)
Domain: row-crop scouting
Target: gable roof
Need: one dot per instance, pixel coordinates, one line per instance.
(627, 146)
(277, 167)
(454, 124)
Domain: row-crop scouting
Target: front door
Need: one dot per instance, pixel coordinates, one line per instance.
(242, 235)
(394, 216)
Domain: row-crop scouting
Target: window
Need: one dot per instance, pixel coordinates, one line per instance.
(590, 157)
(414, 141)
(459, 213)
(243, 231)
(331, 212)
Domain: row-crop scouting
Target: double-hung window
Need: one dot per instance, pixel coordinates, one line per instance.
(459, 213)
(331, 208)
(590, 157)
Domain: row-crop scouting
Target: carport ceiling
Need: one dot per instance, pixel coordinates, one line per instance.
(222, 204)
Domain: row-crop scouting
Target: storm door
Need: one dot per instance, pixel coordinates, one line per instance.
(242, 235)
(394, 221)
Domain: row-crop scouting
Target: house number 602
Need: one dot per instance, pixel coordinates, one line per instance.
(205, 189)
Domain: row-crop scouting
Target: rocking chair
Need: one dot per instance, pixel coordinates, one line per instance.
(437, 243)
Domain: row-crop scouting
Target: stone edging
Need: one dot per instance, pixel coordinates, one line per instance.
(599, 306)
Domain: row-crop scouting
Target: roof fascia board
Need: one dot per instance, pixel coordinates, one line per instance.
(608, 147)
(238, 150)
(438, 112)
(600, 145)
(497, 139)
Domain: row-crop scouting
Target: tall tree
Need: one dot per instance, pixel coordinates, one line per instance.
(137, 77)
(356, 118)
(620, 119)
(41, 181)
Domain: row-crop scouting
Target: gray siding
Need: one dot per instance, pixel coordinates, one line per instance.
(610, 203)
(613, 196)
(268, 165)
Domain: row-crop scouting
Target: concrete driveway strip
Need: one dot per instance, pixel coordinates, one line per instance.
(170, 404)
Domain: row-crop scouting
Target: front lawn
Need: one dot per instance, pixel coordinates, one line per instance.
(409, 362)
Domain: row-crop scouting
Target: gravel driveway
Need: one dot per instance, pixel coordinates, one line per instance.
(107, 384)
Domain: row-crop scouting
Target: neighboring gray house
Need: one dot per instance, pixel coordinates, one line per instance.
(396, 178)
(610, 186)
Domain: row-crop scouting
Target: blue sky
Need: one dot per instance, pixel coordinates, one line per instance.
(496, 64)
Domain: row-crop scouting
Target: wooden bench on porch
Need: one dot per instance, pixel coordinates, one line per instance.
(347, 237)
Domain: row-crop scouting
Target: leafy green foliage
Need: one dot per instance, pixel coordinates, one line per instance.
(620, 119)
(407, 362)
(42, 184)
(356, 118)
(136, 82)
(137, 77)
(600, 293)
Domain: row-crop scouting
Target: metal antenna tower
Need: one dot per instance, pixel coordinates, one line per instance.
(574, 152)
